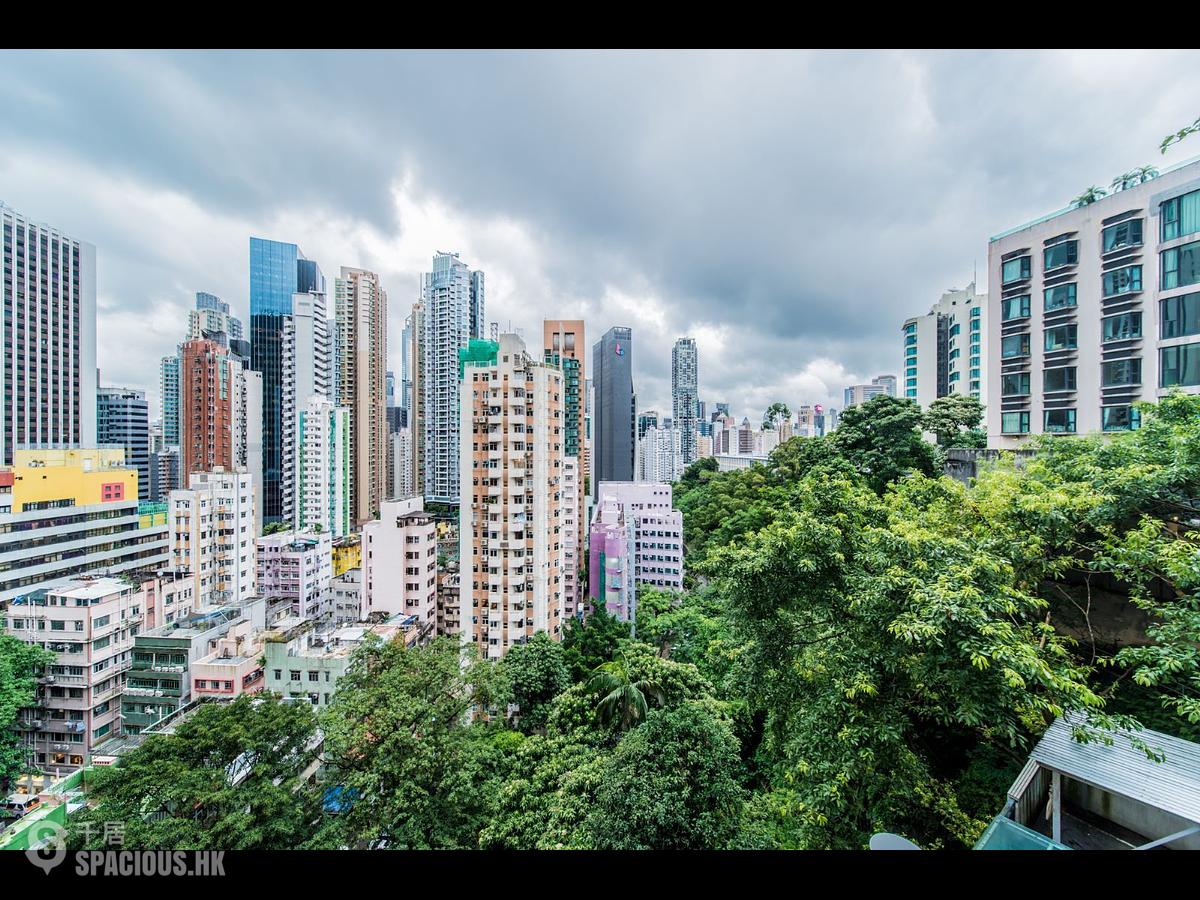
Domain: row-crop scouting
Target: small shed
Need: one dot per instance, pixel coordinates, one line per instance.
(1102, 794)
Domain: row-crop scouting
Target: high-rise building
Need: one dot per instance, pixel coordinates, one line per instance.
(861, 393)
(71, 512)
(400, 564)
(646, 419)
(887, 382)
(414, 326)
(165, 466)
(614, 419)
(510, 513)
(48, 371)
(564, 344)
(212, 525)
(1098, 308)
(403, 485)
(168, 393)
(945, 351)
(362, 385)
(306, 373)
(211, 319)
(636, 538)
(452, 300)
(278, 272)
(685, 396)
(324, 484)
(122, 420)
(660, 455)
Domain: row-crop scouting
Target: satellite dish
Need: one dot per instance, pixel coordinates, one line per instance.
(885, 841)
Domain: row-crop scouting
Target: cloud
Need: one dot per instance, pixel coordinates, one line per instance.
(789, 210)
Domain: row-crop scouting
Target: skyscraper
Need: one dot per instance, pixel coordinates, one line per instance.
(278, 272)
(123, 420)
(945, 350)
(452, 297)
(324, 483)
(48, 370)
(685, 401)
(510, 515)
(614, 426)
(168, 394)
(362, 383)
(564, 345)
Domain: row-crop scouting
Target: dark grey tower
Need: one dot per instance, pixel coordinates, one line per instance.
(123, 420)
(614, 426)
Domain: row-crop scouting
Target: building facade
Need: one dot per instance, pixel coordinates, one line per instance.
(399, 564)
(685, 399)
(510, 515)
(123, 420)
(48, 372)
(212, 524)
(297, 567)
(945, 351)
(323, 470)
(614, 414)
(1098, 308)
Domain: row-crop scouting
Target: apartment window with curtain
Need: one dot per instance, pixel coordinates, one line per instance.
(1062, 337)
(1060, 421)
(1014, 345)
(1181, 265)
(1179, 365)
(1015, 270)
(1014, 308)
(1122, 281)
(1122, 327)
(1119, 418)
(1121, 371)
(1059, 297)
(1123, 234)
(1014, 422)
(1180, 316)
(1181, 216)
(1060, 379)
(1064, 254)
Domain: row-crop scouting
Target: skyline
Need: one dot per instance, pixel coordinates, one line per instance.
(778, 243)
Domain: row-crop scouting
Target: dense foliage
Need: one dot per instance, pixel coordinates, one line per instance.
(19, 666)
(868, 648)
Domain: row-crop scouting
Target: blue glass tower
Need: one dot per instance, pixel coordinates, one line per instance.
(277, 271)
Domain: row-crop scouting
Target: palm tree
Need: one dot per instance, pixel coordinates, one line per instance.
(1145, 173)
(624, 700)
(774, 411)
(1123, 181)
(1091, 195)
(1179, 135)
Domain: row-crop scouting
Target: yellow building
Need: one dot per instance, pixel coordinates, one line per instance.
(347, 554)
(82, 477)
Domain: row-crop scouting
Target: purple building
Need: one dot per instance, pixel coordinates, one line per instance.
(636, 537)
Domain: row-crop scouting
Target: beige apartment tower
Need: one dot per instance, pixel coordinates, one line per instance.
(361, 309)
(563, 344)
(511, 496)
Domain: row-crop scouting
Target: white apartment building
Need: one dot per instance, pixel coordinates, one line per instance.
(322, 468)
(452, 301)
(345, 597)
(297, 567)
(403, 484)
(510, 514)
(572, 533)
(660, 455)
(213, 534)
(90, 624)
(1098, 308)
(306, 357)
(946, 350)
(399, 564)
(685, 398)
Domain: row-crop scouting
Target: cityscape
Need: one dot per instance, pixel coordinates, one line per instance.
(376, 558)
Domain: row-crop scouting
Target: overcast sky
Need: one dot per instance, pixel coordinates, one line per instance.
(788, 210)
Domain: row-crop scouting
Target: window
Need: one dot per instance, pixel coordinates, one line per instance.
(1015, 384)
(1181, 265)
(1180, 315)
(1059, 297)
(1063, 337)
(1064, 254)
(1123, 234)
(1122, 281)
(1180, 365)
(1060, 421)
(1120, 418)
(1181, 216)
(1121, 371)
(1015, 270)
(294, 674)
(1061, 379)
(955, 329)
(1123, 327)
(1014, 345)
(1014, 308)
(1014, 422)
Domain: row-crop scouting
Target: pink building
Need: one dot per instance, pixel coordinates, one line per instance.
(233, 668)
(636, 537)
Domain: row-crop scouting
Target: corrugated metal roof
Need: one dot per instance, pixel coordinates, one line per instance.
(1172, 785)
